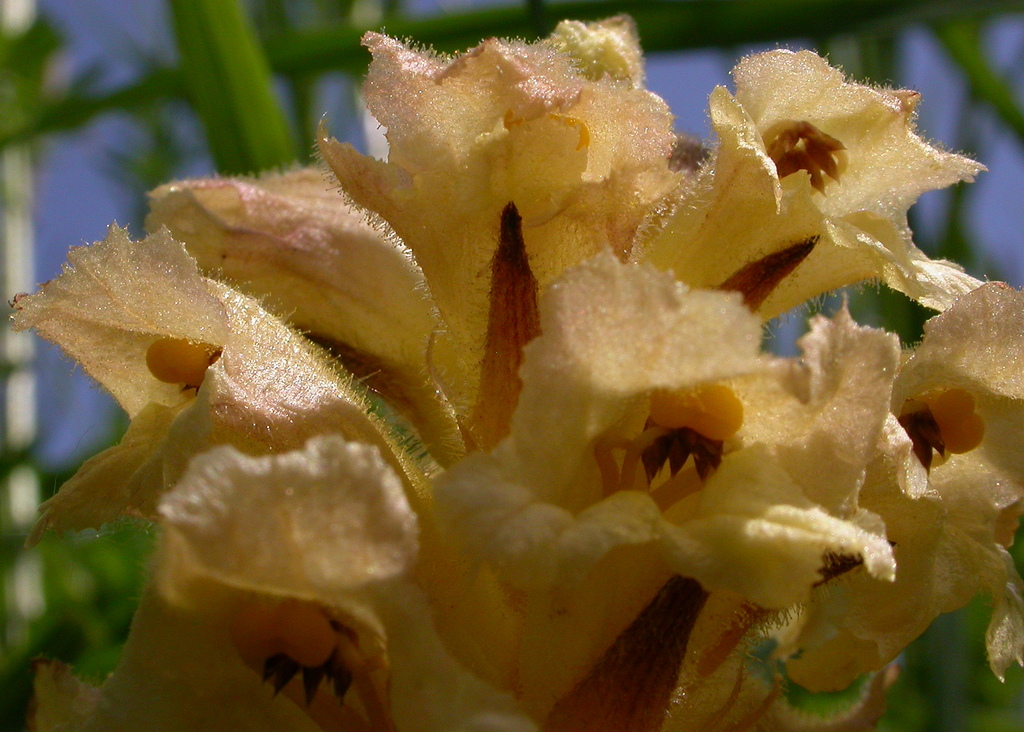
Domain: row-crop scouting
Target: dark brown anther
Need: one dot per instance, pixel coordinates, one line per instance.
(676, 448)
(924, 434)
(654, 457)
(833, 565)
(678, 454)
(311, 678)
(284, 670)
(757, 280)
(707, 456)
(799, 145)
(513, 321)
(270, 666)
(630, 688)
(342, 680)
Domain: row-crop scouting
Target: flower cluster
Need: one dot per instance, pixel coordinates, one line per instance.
(487, 440)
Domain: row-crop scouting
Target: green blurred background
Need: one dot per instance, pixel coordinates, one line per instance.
(101, 100)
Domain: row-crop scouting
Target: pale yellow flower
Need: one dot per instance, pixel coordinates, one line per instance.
(593, 493)
(804, 155)
(951, 515)
(586, 492)
(254, 623)
(507, 140)
(292, 242)
(193, 363)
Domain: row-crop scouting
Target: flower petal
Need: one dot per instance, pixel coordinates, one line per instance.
(743, 208)
(290, 241)
(889, 166)
(329, 526)
(950, 521)
(278, 523)
(503, 123)
(266, 388)
(59, 700)
(612, 333)
(113, 300)
(823, 414)
(179, 672)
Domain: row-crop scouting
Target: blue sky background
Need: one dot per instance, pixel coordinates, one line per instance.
(79, 193)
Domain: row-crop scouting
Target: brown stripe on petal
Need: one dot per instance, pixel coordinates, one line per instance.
(834, 564)
(513, 321)
(757, 280)
(411, 393)
(630, 688)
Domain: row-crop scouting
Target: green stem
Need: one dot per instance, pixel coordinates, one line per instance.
(962, 41)
(228, 79)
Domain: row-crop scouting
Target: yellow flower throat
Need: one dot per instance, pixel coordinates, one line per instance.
(943, 422)
(681, 423)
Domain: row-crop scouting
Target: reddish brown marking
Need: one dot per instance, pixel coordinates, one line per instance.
(513, 321)
(834, 565)
(757, 280)
(795, 146)
(716, 654)
(630, 688)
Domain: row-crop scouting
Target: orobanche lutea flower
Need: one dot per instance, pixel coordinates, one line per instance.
(487, 440)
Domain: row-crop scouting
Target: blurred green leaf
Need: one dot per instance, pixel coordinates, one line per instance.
(74, 110)
(665, 25)
(91, 586)
(24, 59)
(27, 53)
(230, 86)
(962, 41)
